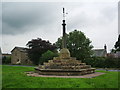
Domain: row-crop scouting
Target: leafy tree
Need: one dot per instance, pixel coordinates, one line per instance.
(113, 51)
(78, 44)
(37, 47)
(117, 44)
(47, 56)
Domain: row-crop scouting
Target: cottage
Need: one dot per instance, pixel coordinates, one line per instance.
(100, 52)
(19, 56)
(114, 55)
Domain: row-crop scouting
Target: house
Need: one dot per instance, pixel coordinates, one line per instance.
(118, 54)
(114, 55)
(19, 55)
(100, 52)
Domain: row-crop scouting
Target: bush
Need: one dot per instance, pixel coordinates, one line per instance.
(6, 60)
(112, 62)
(103, 62)
(47, 56)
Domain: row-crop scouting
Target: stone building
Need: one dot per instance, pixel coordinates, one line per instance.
(114, 55)
(19, 56)
(100, 52)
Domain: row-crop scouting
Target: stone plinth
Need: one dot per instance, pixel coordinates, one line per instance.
(66, 72)
(64, 65)
(64, 53)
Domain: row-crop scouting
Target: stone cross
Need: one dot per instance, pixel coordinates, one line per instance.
(64, 31)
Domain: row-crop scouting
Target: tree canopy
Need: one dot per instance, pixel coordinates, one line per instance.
(37, 47)
(78, 44)
(47, 56)
(117, 44)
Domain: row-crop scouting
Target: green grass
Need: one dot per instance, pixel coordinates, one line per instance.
(14, 77)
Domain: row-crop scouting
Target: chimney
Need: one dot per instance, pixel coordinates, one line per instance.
(105, 47)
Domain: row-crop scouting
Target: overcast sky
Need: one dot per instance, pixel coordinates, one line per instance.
(23, 21)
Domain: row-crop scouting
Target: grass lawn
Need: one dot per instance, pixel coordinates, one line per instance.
(14, 77)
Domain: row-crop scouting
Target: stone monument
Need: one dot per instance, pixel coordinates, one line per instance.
(64, 65)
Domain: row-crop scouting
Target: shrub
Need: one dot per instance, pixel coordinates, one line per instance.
(47, 56)
(112, 62)
(103, 62)
(6, 60)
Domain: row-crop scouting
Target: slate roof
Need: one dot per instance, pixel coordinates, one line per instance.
(99, 52)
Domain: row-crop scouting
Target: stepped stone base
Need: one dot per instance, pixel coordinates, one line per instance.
(64, 65)
(59, 72)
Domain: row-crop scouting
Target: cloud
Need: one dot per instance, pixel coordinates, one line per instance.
(25, 21)
(119, 17)
(19, 16)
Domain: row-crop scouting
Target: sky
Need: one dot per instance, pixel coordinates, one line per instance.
(24, 21)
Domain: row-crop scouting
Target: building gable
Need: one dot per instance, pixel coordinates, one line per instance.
(99, 52)
(19, 56)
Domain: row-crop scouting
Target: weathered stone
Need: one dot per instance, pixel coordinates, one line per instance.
(20, 56)
(64, 65)
(64, 53)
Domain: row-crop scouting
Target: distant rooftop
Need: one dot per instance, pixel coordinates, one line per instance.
(99, 52)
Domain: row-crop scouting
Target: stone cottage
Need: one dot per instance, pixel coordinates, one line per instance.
(114, 55)
(19, 56)
(100, 52)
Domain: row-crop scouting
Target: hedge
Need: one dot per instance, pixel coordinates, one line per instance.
(103, 62)
(6, 60)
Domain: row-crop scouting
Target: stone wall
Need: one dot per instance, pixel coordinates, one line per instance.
(25, 59)
(19, 57)
(15, 56)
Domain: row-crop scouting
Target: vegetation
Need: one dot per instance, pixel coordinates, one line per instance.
(78, 43)
(15, 77)
(6, 60)
(117, 44)
(103, 62)
(47, 56)
(37, 47)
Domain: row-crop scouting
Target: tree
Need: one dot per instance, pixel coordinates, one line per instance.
(117, 44)
(113, 51)
(47, 56)
(78, 44)
(37, 47)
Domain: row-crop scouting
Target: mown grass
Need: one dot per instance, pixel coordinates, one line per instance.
(15, 77)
